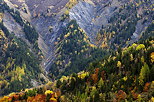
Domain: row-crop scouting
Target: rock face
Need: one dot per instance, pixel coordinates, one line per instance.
(83, 13)
(91, 16)
(12, 25)
(40, 6)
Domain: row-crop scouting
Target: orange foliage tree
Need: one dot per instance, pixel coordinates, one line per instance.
(103, 75)
(121, 95)
(146, 87)
(94, 76)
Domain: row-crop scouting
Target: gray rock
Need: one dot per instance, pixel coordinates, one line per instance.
(91, 17)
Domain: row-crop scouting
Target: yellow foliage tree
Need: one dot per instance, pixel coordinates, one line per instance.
(19, 72)
(48, 92)
(82, 75)
(140, 46)
(71, 3)
(4, 99)
(53, 100)
(152, 99)
(131, 57)
(2, 35)
(1, 16)
(152, 57)
(100, 83)
(63, 78)
(118, 64)
(125, 78)
(144, 73)
(142, 59)
(67, 12)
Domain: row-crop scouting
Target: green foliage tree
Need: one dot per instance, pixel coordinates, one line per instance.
(31, 33)
(144, 74)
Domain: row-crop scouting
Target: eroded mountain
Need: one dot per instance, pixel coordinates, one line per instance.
(68, 47)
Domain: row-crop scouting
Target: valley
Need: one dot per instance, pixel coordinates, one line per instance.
(51, 40)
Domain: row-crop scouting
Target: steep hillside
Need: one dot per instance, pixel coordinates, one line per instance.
(107, 26)
(19, 53)
(127, 24)
(107, 23)
(74, 51)
(61, 37)
(126, 75)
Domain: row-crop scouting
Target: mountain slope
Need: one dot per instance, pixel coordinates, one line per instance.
(105, 22)
(74, 51)
(126, 75)
(19, 53)
(60, 37)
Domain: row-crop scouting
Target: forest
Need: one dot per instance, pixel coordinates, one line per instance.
(18, 63)
(72, 46)
(117, 66)
(125, 75)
